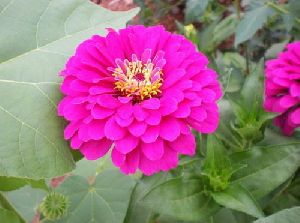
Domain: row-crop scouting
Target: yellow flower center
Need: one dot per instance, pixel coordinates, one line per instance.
(137, 79)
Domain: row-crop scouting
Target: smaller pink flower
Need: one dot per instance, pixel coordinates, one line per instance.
(282, 88)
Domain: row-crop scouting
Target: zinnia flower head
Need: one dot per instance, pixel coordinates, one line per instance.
(140, 91)
(282, 93)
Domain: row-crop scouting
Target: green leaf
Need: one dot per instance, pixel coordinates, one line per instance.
(184, 199)
(251, 22)
(217, 167)
(26, 201)
(275, 49)
(194, 9)
(12, 183)
(238, 198)
(224, 29)
(104, 198)
(137, 211)
(37, 38)
(8, 216)
(291, 215)
(267, 167)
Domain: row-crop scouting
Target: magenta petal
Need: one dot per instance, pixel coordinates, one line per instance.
(184, 144)
(71, 129)
(295, 90)
(151, 134)
(100, 112)
(199, 114)
(147, 166)
(113, 131)
(288, 101)
(117, 158)
(96, 129)
(139, 113)
(76, 142)
(295, 117)
(153, 151)
(137, 128)
(126, 144)
(131, 163)
(95, 149)
(169, 159)
(152, 103)
(169, 129)
(153, 118)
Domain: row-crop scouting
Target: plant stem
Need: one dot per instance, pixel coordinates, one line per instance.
(238, 8)
(203, 146)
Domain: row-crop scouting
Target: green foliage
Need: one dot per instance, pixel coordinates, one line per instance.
(291, 215)
(9, 216)
(12, 183)
(267, 167)
(251, 23)
(185, 199)
(25, 201)
(103, 198)
(34, 47)
(217, 167)
(194, 9)
(238, 198)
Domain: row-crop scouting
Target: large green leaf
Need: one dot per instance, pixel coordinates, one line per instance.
(104, 198)
(267, 167)
(8, 216)
(291, 215)
(238, 198)
(251, 22)
(137, 211)
(37, 37)
(184, 199)
(26, 201)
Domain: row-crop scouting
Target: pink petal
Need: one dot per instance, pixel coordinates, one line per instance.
(70, 130)
(95, 149)
(126, 144)
(99, 112)
(184, 144)
(199, 114)
(169, 129)
(169, 159)
(137, 128)
(76, 142)
(295, 117)
(131, 163)
(139, 113)
(117, 158)
(152, 103)
(151, 134)
(153, 151)
(153, 118)
(113, 131)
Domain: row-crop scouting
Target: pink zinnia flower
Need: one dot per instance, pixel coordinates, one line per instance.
(141, 90)
(282, 93)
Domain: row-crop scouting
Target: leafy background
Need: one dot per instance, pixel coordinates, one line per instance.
(245, 172)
